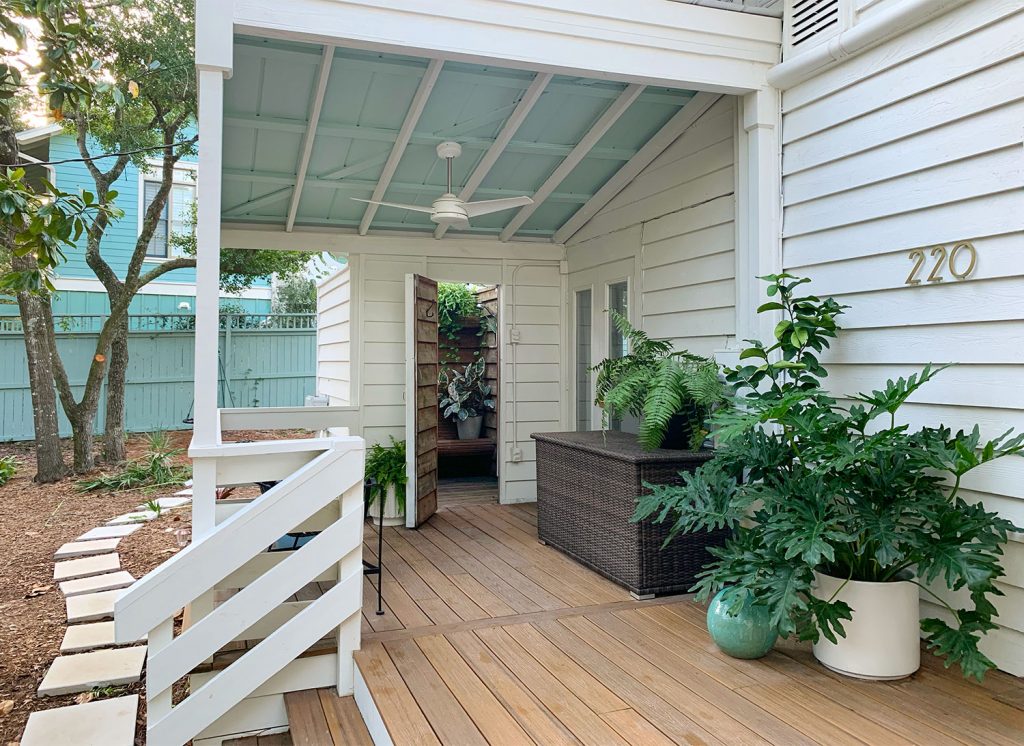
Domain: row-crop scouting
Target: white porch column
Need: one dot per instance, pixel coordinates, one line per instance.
(758, 212)
(213, 65)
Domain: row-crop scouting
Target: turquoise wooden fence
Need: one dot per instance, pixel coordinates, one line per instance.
(265, 361)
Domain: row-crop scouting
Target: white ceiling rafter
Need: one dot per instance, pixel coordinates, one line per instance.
(508, 131)
(589, 140)
(267, 199)
(310, 135)
(679, 123)
(356, 168)
(419, 102)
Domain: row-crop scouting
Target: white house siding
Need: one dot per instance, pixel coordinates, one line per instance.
(676, 222)
(334, 337)
(532, 296)
(913, 144)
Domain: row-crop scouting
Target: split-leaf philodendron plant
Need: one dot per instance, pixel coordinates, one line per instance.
(806, 483)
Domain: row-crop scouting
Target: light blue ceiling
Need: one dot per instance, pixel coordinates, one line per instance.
(368, 95)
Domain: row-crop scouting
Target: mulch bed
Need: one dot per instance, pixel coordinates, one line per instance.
(35, 520)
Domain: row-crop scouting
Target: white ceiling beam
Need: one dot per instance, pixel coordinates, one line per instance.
(511, 126)
(600, 128)
(676, 126)
(315, 107)
(267, 199)
(346, 241)
(419, 102)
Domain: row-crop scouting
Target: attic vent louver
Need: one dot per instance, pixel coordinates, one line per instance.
(811, 18)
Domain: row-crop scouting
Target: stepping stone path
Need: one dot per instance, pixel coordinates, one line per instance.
(70, 674)
(140, 517)
(105, 722)
(83, 637)
(86, 567)
(109, 532)
(91, 579)
(90, 607)
(106, 582)
(86, 548)
(166, 503)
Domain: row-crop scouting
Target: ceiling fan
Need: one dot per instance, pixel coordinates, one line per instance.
(448, 209)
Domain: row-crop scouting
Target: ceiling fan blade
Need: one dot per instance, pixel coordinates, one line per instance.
(475, 209)
(414, 208)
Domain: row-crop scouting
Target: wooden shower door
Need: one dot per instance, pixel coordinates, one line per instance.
(421, 399)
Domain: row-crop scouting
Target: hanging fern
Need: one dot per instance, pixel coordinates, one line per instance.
(655, 383)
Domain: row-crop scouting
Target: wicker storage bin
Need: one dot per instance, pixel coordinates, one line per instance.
(587, 484)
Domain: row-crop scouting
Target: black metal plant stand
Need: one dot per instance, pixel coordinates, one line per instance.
(368, 567)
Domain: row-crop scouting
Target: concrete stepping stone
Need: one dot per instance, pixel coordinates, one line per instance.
(106, 582)
(166, 503)
(90, 607)
(103, 722)
(86, 567)
(109, 532)
(85, 548)
(70, 674)
(137, 517)
(83, 637)
(187, 492)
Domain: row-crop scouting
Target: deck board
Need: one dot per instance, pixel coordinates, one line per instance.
(490, 637)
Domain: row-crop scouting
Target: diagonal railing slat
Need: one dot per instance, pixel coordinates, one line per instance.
(198, 567)
(223, 691)
(253, 602)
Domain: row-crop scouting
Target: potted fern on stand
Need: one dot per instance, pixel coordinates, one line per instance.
(386, 477)
(671, 392)
(845, 516)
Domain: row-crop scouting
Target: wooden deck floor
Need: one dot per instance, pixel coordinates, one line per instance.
(491, 638)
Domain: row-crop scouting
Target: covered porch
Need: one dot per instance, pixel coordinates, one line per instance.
(647, 145)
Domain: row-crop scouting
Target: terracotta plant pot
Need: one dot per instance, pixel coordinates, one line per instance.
(883, 640)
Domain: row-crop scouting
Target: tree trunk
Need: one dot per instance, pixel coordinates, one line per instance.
(113, 435)
(50, 466)
(83, 427)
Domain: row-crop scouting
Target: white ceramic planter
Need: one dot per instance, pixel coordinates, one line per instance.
(883, 639)
(392, 515)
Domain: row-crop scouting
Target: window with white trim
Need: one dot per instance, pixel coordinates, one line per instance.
(175, 217)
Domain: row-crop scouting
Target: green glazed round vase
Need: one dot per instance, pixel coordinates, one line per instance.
(747, 634)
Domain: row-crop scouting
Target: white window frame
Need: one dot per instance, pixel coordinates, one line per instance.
(145, 174)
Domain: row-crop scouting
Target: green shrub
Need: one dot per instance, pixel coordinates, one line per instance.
(155, 469)
(8, 467)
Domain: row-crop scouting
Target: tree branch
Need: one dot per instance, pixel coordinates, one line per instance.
(163, 268)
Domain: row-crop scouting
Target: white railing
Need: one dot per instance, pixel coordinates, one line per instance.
(313, 475)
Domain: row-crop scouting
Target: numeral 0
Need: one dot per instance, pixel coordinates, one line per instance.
(939, 254)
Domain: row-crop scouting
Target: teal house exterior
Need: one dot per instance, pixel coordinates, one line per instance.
(79, 291)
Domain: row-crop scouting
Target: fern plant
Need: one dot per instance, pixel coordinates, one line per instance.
(656, 383)
(385, 465)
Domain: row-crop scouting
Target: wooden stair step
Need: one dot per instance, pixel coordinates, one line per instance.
(318, 717)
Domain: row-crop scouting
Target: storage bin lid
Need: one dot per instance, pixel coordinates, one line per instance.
(621, 446)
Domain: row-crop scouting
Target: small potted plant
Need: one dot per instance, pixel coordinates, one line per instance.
(841, 516)
(465, 397)
(672, 392)
(385, 465)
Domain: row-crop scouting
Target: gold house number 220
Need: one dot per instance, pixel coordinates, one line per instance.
(961, 262)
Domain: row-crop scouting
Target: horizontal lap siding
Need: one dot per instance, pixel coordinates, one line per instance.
(676, 220)
(334, 338)
(913, 144)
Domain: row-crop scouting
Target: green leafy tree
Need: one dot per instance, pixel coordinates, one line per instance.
(807, 484)
(149, 115)
(37, 221)
(295, 294)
